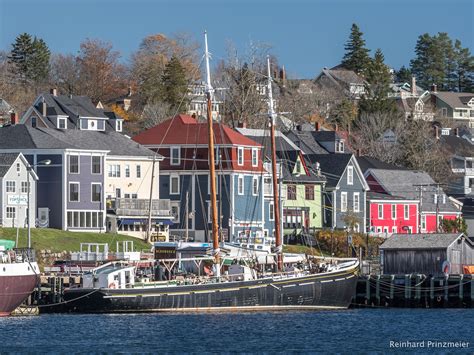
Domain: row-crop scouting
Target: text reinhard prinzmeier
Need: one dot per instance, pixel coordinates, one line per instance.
(429, 344)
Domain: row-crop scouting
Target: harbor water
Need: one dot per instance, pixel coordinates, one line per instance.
(348, 331)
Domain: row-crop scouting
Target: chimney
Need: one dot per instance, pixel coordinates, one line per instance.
(413, 86)
(456, 132)
(53, 92)
(43, 108)
(242, 124)
(358, 152)
(437, 132)
(336, 128)
(283, 74)
(434, 88)
(14, 118)
(129, 91)
(317, 126)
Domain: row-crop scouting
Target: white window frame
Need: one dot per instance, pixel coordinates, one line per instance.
(10, 212)
(92, 164)
(240, 186)
(255, 186)
(18, 167)
(62, 119)
(350, 175)
(127, 170)
(173, 177)
(343, 201)
(423, 222)
(356, 206)
(175, 160)
(118, 126)
(78, 164)
(271, 212)
(240, 156)
(78, 191)
(380, 210)
(254, 157)
(114, 171)
(393, 211)
(10, 186)
(406, 212)
(24, 187)
(138, 171)
(92, 192)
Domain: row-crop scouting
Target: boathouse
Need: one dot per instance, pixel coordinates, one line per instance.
(429, 254)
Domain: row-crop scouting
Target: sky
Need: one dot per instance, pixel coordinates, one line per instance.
(305, 35)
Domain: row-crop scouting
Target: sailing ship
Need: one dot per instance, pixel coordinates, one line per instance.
(18, 276)
(247, 283)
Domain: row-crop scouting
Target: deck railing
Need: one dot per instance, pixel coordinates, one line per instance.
(139, 207)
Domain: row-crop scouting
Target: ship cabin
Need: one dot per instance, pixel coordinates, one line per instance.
(110, 275)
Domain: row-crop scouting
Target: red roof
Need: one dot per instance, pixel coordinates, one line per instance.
(184, 129)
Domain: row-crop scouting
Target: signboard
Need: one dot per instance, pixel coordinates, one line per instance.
(17, 200)
(162, 252)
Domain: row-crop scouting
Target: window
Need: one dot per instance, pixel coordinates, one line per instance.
(444, 199)
(423, 222)
(340, 146)
(114, 170)
(84, 124)
(11, 212)
(343, 201)
(135, 196)
(291, 192)
(139, 171)
(126, 195)
(394, 229)
(34, 122)
(267, 186)
(255, 186)
(240, 156)
(175, 153)
(96, 165)
(118, 193)
(118, 126)
(254, 157)
(96, 193)
(24, 187)
(309, 192)
(127, 171)
(356, 202)
(18, 167)
(240, 184)
(217, 155)
(406, 211)
(444, 112)
(61, 123)
(85, 219)
(380, 208)
(350, 175)
(271, 211)
(174, 184)
(73, 192)
(175, 212)
(74, 164)
(394, 212)
(10, 186)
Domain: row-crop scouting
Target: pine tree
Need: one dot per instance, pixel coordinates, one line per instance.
(30, 58)
(377, 89)
(356, 57)
(464, 68)
(403, 75)
(174, 85)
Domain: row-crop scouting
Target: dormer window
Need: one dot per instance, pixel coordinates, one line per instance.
(62, 123)
(471, 102)
(118, 126)
(339, 146)
(419, 106)
(33, 122)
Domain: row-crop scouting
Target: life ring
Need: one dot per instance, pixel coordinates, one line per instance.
(446, 267)
(112, 285)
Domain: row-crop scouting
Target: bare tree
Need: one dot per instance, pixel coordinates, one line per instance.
(64, 73)
(155, 113)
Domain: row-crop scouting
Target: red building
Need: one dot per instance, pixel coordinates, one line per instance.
(406, 198)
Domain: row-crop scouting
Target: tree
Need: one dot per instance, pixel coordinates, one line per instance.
(344, 114)
(403, 75)
(155, 113)
(377, 88)
(457, 225)
(464, 68)
(101, 75)
(356, 57)
(64, 74)
(30, 57)
(174, 86)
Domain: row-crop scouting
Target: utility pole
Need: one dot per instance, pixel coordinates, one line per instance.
(420, 194)
(150, 202)
(437, 206)
(187, 216)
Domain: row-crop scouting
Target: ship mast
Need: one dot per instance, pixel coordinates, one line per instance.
(276, 197)
(212, 171)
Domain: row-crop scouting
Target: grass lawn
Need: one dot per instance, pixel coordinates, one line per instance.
(302, 249)
(58, 240)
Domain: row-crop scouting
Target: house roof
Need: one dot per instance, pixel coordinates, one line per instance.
(372, 195)
(6, 161)
(26, 137)
(288, 161)
(366, 163)
(457, 145)
(420, 241)
(306, 142)
(344, 75)
(262, 136)
(184, 129)
(332, 165)
(5, 107)
(404, 183)
(454, 99)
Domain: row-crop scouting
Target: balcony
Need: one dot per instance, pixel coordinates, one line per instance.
(139, 207)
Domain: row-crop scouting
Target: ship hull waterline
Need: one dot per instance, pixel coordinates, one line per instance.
(14, 290)
(309, 292)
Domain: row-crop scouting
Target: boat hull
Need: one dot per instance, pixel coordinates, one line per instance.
(17, 281)
(319, 291)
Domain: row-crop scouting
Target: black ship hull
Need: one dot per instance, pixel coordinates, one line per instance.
(317, 291)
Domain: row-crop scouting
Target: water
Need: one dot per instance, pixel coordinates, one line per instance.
(352, 331)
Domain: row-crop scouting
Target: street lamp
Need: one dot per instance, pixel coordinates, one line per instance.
(29, 168)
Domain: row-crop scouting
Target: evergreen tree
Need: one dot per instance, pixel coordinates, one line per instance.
(464, 68)
(403, 75)
(30, 58)
(174, 85)
(356, 57)
(377, 89)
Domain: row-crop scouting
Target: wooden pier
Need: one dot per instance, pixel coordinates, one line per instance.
(415, 291)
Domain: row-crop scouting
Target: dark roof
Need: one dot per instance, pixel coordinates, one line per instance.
(6, 161)
(420, 241)
(288, 161)
(282, 143)
(306, 142)
(26, 137)
(457, 145)
(372, 195)
(454, 99)
(366, 163)
(332, 165)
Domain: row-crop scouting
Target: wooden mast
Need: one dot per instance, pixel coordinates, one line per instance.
(212, 171)
(276, 197)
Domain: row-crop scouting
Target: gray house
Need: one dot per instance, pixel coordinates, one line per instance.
(428, 254)
(344, 198)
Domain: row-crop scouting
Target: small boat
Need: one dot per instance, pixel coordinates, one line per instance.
(19, 275)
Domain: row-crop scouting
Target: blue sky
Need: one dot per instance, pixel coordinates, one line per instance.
(305, 35)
